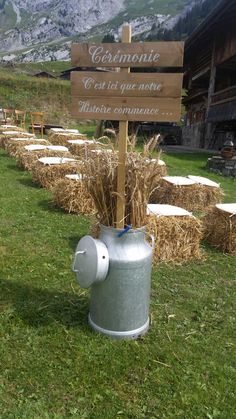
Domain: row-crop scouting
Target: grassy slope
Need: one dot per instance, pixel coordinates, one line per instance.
(20, 91)
(136, 8)
(54, 366)
(52, 66)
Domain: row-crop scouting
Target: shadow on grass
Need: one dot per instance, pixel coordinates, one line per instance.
(38, 307)
(12, 166)
(73, 241)
(29, 183)
(4, 155)
(49, 205)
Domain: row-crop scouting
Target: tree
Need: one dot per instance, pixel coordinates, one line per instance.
(108, 38)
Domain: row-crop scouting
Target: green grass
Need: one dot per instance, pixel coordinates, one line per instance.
(55, 67)
(52, 96)
(54, 366)
(138, 8)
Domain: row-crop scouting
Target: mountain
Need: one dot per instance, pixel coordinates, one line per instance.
(42, 30)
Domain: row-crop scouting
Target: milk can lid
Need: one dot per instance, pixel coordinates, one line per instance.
(91, 261)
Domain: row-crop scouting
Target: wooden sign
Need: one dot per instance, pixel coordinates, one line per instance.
(126, 96)
(114, 84)
(127, 109)
(142, 54)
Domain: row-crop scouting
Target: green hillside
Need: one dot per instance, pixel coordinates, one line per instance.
(137, 8)
(20, 91)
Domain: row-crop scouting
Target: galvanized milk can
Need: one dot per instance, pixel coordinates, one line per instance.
(118, 269)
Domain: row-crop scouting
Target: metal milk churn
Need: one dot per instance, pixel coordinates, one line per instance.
(118, 269)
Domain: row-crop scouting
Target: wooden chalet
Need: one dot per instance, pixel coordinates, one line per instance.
(210, 79)
(65, 75)
(44, 74)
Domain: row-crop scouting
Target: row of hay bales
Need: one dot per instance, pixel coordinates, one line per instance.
(57, 164)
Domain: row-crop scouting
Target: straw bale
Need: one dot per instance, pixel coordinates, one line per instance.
(27, 159)
(80, 148)
(13, 146)
(62, 138)
(72, 196)
(4, 128)
(209, 193)
(177, 238)
(6, 135)
(220, 229)
(192, 197)
(47, 175)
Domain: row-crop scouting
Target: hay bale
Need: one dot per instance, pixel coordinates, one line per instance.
(177, 233)
(48, 170)
(62, 137)
(14, 145)
(209, 193)
(6, 135)
(7, 127)
(72, 195)
(175, 190)
(220, 227)
(80, 148)
(28, 156)
(193, 193)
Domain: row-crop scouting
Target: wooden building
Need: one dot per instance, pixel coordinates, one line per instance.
(65, 75)
(44, 74)
(210, 79)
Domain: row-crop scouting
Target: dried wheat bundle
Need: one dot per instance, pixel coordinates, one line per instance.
(14, 145)
(111, 133)
(62, 138)
(6, 135)
(177, 234)
(27, 158)
(101, 179)
(71, 194)
(132, 140)
(158, 166)
(48, 170)
(220, 227)
(152, 145)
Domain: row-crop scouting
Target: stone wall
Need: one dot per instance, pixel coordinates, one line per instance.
(222, 166)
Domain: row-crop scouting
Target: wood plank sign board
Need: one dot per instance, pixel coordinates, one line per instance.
(114, 84)
(141, 54)
(127, 109)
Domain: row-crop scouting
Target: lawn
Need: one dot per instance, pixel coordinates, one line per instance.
(54, 366)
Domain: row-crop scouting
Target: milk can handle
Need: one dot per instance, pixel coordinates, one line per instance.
(152, 239)
(80, 252)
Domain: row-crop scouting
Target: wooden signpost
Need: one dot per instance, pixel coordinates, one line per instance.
(125, 96)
